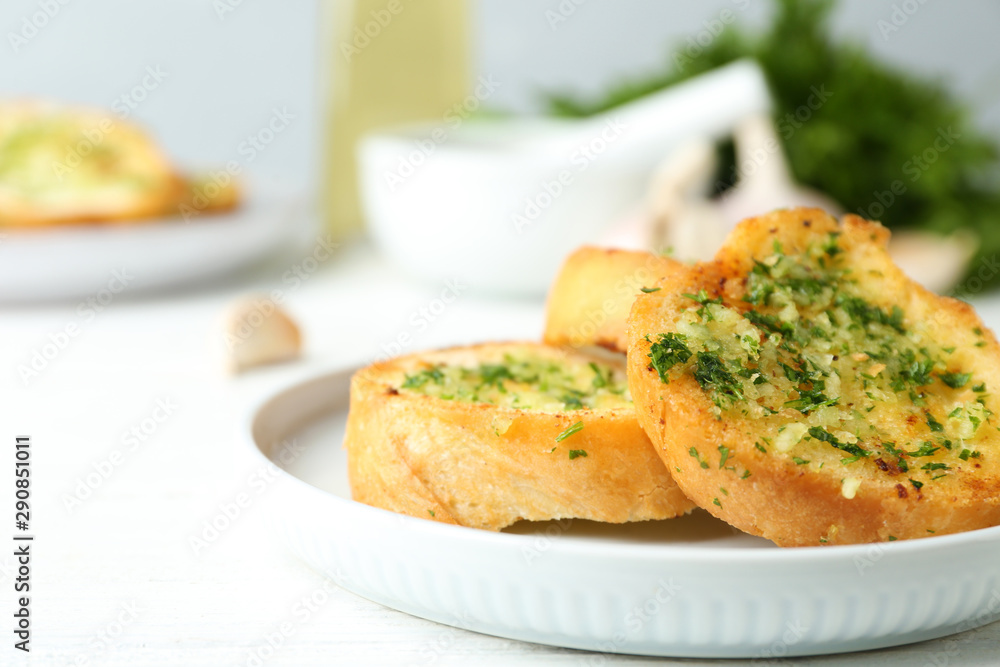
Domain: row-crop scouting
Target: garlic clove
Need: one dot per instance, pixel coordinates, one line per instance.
(257, 332)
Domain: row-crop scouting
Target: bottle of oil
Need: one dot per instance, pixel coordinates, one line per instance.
(388, 62)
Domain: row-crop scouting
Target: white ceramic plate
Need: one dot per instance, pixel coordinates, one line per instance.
(90, 260)
(690, 587)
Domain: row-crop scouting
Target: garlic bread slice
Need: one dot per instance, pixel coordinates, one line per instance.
(487, 435)
(802, 388)
(589, 302)
(67, 165)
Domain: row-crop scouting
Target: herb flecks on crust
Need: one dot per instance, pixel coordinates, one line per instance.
(811, 358)
(525, 382)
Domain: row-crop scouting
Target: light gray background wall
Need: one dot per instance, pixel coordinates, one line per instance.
(224, 76)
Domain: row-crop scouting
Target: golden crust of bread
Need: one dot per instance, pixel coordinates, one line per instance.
(796, 494)
(487, 466)
(589, 302)
(63, 166)
(204, 194)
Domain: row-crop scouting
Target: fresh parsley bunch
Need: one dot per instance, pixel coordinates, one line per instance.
(885, 144)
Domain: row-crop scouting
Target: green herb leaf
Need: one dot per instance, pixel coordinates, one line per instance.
(825, 436)
(955, 380)
(421, 378)
(712, 374)
(724, 455)
(667, 352)
(575, 428)
(926, 449)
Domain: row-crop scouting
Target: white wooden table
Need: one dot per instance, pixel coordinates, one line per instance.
(115, 579)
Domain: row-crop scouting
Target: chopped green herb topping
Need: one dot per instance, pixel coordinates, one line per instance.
(649, 290)
(825, 436)
(667, 352)
(575, 453)
(697, 457)
(812, 343)
(723, 455)
(526, 382)
(421, 378)
(575, 428)
(702, 298)
(955, 380)
(712, 375)
(926, 449)
(934, 424)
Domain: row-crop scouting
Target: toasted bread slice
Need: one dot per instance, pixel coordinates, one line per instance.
(590, 299)
(60, 166)
(486, 435)
(802, 388)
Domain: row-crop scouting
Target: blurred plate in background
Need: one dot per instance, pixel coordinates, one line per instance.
(81, 260)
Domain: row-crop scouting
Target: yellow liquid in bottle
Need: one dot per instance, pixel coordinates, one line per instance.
(389, 62)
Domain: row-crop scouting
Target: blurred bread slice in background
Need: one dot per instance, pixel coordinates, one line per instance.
(63, 165)
(589, 301)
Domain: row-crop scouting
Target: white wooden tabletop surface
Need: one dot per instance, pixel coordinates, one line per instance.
(115, 578)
